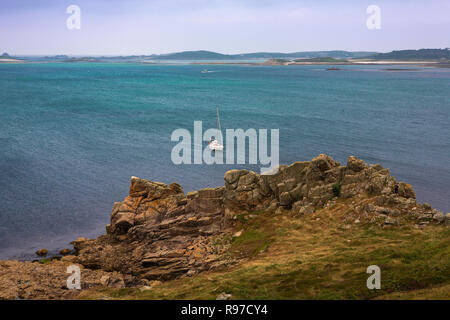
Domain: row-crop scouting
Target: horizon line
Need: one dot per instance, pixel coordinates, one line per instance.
(199, 50)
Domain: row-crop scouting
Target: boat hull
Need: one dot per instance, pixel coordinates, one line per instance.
(216, 147)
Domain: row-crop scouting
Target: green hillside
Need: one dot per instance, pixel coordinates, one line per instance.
(422, 54)
(320, 256)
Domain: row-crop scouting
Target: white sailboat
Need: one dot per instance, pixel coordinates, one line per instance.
(217, 144)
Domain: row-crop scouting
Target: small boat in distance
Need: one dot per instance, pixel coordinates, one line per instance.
(205, 71)
(333, 69)
(216, 144)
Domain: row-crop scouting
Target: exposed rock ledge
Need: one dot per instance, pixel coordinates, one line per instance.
(158, 232)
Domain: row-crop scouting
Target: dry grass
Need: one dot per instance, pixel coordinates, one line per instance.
(317, 256)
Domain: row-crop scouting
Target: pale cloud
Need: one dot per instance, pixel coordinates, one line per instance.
(160, 26)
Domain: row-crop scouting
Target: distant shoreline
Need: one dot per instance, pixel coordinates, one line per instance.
(12, 61)
(424, 57)
(269, 62)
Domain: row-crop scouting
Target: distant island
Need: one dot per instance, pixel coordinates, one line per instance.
(6, 58)
(204, 55)
(334, 56)
(317, 60)
(83, 59)
(57, 57)
(209, 55)
(423, 57)
(422, 54)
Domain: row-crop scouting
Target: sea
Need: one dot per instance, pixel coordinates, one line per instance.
(72, 134)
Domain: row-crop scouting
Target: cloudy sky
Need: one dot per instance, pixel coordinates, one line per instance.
(113, 27)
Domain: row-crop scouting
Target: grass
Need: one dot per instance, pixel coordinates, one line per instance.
(336, 189)
(44, 261)
(285, 256)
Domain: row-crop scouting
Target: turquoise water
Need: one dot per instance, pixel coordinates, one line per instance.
(71, 135)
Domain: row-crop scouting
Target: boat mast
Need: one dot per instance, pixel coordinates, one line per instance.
(218, 123)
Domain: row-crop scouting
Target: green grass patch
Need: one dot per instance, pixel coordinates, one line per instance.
(336, 189)
(296, 257)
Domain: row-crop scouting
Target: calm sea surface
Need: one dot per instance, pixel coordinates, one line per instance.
(71, 135)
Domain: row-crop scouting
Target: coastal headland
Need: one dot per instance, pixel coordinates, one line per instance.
(308, 231)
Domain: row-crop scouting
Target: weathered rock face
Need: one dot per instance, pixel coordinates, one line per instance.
(246, 190)
(158, 232)
(308, 183)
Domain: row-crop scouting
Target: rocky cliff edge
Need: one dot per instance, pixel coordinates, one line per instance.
(160, 233)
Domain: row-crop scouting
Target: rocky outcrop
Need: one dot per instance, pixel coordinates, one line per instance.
(309, 183)
(158, 232)
(301, 181)
(42, 252)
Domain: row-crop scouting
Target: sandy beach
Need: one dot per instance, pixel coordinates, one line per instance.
(11, 61)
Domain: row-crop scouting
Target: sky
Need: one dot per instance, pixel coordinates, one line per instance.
(135, 27)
